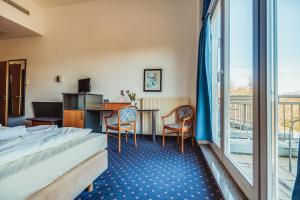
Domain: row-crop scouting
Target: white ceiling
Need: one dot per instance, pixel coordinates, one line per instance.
(53, 3)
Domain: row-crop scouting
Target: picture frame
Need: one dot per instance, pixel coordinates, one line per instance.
(153, 80)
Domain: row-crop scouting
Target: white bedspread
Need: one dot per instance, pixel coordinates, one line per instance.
(37, 140)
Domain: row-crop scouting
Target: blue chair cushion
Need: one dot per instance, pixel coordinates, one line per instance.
(127, 114)
(185, 112)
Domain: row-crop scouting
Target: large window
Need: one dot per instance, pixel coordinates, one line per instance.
(239, 119)
(256, 93)
(287, 98)
(216, 73)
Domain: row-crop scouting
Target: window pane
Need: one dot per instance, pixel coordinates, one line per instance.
(288, 90)
(216, 68)
(240, 147)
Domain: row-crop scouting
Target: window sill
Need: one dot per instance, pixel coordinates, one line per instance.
(228, 187)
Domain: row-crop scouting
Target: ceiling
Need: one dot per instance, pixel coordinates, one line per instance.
(9, 29)
(53, 3)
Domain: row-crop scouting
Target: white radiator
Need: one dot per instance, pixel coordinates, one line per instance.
(165, 105)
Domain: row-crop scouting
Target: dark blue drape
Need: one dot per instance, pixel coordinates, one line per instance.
(204, 88)
(296, 191)
(205, 7)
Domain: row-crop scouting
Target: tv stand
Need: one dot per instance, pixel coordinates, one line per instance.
(76, 112)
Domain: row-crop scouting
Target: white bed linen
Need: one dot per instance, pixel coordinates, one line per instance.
(37, 140)
(7, 133)
(22, 178)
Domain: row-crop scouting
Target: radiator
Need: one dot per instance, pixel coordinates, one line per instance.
(165, 105)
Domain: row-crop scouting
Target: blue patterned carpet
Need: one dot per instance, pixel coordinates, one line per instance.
(151, 172)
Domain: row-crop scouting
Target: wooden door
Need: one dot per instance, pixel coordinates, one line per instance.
(73, 118)
(79, 119)
(3, 92)
(15, 89)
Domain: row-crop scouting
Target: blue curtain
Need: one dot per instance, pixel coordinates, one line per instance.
(204, 87)
(296, 191)
(205, 7)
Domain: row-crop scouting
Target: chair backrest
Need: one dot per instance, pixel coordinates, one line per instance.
(127, 114)
(185, 111)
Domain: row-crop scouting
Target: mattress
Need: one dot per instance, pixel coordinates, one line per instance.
(23, 177)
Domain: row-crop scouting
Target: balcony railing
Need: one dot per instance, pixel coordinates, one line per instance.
(241, 116)
(287, 121)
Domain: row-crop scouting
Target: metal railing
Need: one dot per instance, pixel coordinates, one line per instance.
(241, 114)
(290, 143)
(287, 120)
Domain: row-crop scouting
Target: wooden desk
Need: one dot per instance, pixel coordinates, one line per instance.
(114, 105)
(141, 111)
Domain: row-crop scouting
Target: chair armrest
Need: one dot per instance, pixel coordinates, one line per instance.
(169, 114)
(110, 115)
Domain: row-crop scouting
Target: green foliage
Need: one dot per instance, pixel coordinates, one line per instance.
(131, 95)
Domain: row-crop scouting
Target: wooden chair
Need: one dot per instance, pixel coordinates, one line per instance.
(126, 121)
(182, 126)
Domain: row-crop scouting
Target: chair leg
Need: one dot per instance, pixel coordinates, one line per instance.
(126, 134)
(107, 134)
(163, 134)
(178, 138)
(193, 136)
(119, 142)
(90, 187)
(135, 143)
(182, 142)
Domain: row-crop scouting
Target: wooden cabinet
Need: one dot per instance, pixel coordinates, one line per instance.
(73, 118)
(77, 110)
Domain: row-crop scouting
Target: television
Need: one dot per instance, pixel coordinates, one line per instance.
(84, 85)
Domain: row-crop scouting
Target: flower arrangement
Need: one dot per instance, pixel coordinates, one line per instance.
(131, 95)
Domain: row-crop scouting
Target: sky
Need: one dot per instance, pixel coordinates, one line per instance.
(289, 45)
(241, 44)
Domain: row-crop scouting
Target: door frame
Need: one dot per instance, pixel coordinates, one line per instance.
(4, 97)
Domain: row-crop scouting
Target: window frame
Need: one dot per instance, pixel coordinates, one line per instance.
(251, 191)
(218, 148)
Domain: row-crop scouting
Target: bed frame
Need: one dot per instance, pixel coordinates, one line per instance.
(72, 183)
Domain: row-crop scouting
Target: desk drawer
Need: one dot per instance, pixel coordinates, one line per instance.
(114, 106)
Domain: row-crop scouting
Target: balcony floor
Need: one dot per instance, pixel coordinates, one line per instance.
(286, 178)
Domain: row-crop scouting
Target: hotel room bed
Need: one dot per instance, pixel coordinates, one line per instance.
(59, 172)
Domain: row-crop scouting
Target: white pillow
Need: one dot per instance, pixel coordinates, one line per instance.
(12, 133)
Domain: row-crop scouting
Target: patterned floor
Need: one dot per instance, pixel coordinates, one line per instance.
(151, 172)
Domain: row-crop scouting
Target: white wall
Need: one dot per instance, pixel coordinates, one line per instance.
(34, 21)
(111, 41)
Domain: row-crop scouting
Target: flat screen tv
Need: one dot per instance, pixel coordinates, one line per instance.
(84, 85)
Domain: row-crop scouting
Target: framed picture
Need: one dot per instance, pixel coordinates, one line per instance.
(152, 80)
